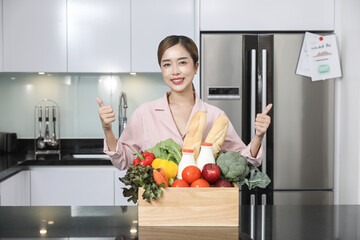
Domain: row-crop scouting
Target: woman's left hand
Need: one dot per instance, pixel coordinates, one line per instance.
(262, 121)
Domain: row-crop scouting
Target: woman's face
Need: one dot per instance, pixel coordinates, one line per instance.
(178, 68)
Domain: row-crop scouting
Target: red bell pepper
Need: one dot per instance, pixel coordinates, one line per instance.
(144, 159)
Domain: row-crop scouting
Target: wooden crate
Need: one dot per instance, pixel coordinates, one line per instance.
(191, 207)
(188, 233)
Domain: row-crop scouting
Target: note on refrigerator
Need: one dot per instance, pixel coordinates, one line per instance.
(320, 57)
(303, 67)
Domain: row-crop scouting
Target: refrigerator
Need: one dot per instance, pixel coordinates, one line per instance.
(243, 72)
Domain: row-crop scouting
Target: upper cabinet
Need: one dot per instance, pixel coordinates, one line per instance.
(265, 15)
(152, 21)
(99, 36)
(123, 35)
(34, 35)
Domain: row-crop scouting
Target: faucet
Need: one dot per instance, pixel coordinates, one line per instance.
(122, 112)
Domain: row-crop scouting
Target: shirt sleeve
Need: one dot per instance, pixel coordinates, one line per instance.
(128, 143)
(234, 143)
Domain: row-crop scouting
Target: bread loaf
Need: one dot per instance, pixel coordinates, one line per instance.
(194, 133)
(217, 134)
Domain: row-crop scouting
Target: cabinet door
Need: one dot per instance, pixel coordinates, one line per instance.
(34, 35)
(240, 15)
(120, 200)
(152, 21)
(72, 186)
(99, 36)
(15, 191)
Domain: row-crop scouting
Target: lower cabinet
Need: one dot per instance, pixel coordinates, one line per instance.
(64, 186)
(76, 186)
(15, 191)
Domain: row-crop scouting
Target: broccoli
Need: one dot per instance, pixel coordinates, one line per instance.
(233, 166)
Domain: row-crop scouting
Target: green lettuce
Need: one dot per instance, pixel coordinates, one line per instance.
(167, 149)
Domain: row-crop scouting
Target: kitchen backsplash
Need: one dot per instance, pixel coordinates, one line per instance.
(76, 96)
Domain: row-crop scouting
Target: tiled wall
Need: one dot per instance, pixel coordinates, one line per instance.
(75, 95)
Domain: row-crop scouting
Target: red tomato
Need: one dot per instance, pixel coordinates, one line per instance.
(191, 173)
(200, 183)
(180, 183)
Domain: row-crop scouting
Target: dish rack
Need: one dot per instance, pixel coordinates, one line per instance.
(47, 128)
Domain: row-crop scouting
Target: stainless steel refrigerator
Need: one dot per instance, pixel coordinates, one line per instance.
(241, 74)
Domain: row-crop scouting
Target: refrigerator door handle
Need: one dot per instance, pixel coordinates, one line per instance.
(263, 106)
(263, 216)
(253, 91)
(252, 216)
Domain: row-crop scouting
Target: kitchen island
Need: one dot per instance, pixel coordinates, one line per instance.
(120, 222)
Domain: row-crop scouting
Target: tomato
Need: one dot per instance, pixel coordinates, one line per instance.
(180, 183)
(191, 173)
(200, 183)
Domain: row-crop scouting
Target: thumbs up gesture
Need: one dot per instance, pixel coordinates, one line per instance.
(262, 121)
(107, 115)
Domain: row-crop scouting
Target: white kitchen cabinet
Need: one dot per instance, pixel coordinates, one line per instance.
(245, 15)
(34, 35)
(15, 191)
(98, 36)
(120, 200)
(152, 21)
(72, 186)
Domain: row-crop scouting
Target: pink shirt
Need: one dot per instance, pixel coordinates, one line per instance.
(152, 122)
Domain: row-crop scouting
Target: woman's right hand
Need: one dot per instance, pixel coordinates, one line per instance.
(107, 115)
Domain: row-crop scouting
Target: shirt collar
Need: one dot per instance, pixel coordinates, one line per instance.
(162, 104)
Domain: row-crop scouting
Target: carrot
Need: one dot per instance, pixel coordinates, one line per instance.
(159, 178)
(163, 173)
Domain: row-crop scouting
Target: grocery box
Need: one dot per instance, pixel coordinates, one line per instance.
(206, 206)
(188, 233)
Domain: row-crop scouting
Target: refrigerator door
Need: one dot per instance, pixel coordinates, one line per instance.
(303, 122)
(221, 74)
(303, 197)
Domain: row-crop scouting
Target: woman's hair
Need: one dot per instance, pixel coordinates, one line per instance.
(172, 40)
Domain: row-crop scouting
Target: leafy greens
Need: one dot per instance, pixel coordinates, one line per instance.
(141, 176)
(167, 149)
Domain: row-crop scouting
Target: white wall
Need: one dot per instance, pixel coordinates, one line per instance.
(347, 145)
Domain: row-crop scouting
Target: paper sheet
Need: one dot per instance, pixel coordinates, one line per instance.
(319, 57)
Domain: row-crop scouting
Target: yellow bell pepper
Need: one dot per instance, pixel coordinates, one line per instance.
(170, 167)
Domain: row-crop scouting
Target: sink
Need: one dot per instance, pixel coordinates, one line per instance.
(91, 156)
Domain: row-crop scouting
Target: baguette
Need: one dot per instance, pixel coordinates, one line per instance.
(194, 133)
(217, 134)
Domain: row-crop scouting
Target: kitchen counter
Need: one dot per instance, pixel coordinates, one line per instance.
(23, 157)
(11, 164)
(118, 222)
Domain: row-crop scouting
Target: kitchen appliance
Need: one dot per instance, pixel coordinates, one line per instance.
(40, 144)
(50, 143)
(122, 112)
(241, 74)
(8, 142)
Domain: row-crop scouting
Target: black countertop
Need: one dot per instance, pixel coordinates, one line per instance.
(11, 164)
(118, 222)
(23, 156)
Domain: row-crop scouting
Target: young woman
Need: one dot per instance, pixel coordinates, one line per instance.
(169, 116)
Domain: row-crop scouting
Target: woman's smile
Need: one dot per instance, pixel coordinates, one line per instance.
(177, 80)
